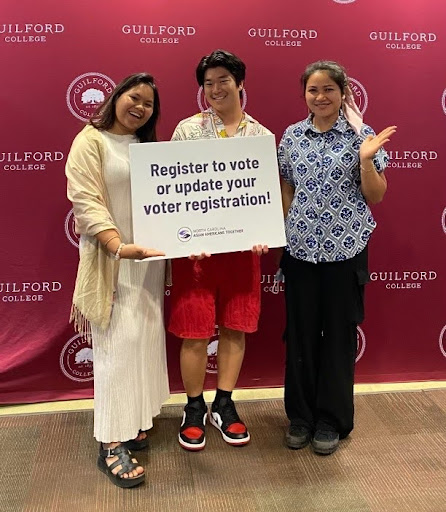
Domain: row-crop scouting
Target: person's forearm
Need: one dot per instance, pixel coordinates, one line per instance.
(110, 239)
(373, 183)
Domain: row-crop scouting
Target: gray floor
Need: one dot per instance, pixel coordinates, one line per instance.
(395, 460)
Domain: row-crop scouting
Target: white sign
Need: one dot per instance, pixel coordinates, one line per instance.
(215, 196)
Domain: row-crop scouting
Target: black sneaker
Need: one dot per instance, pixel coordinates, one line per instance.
(325, 442)
(225, 418)
(298, 436)
(192, 435)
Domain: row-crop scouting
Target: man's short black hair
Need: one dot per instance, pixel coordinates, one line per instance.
(224, 59)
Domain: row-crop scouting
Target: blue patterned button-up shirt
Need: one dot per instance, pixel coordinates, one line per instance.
(329, 219)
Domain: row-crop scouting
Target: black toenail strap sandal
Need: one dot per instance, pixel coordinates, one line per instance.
(124, 460)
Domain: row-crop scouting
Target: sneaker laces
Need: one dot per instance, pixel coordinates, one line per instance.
(227, 411)
(194, 415)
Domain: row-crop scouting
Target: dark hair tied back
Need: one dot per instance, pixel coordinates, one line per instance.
(335, 71)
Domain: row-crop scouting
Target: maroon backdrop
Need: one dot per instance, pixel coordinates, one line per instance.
(58, 62)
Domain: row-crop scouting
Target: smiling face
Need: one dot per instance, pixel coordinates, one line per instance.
(133, 109)
(323, 97)
(221, 90)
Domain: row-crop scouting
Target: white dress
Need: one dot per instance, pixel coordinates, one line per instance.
(130, 369)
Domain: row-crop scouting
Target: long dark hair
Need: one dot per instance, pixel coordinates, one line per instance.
(105, 116)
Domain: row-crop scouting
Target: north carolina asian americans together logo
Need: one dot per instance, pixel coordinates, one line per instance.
(184, 234)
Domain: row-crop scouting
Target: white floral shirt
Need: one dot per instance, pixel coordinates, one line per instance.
(207, 125)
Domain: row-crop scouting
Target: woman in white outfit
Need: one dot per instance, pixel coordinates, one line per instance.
(117, 301)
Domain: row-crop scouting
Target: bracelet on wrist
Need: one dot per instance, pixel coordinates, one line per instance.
(363, 169)
(110, 239)
(118, 252)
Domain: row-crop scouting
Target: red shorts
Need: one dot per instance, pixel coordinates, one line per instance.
(223, 289)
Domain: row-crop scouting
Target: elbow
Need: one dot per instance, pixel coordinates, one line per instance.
(376, 198)
(376, 194)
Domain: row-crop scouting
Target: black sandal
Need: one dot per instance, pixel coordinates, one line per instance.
(138, 445)
(124, 460)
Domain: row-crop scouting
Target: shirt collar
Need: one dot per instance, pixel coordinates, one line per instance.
(246, 119)
(220, 127)
(341, 125)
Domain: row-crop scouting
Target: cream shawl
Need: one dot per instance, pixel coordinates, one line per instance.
(97, 271)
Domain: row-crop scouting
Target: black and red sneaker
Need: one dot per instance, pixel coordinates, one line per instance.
(192, 435)
(224, 417)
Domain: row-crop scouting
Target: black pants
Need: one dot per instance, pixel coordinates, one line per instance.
(324, 302)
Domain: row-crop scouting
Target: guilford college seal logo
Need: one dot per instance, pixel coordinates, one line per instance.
(211, 366)
(359, 94)
(86, 92)
(70, 232)
(344, 1)
(443, 101)
(442, 341)
(76, 359)
(360, 343)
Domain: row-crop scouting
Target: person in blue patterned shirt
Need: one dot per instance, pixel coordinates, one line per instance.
(331, 169)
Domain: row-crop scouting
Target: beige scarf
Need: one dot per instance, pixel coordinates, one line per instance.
(98, 270)
(351, 111)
